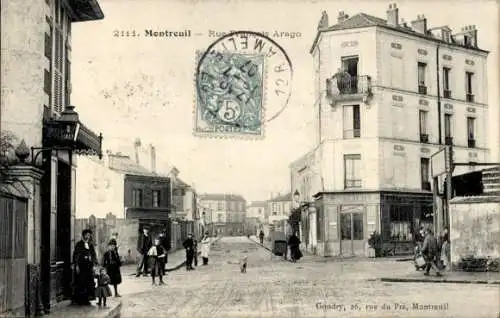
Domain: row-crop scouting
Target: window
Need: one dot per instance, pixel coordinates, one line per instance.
(424, 173)
(59, 62)
(156, 198)
(352, 122)
(352, 171)
(401, 223)
(422, 67)
(220, 206)
(220, 218)
(446, 82)
(422, 115)
(471, 138)
(260, 211)
(468, 86)
(447, 125)
(397, 72)
(137, 197)
(275, 208)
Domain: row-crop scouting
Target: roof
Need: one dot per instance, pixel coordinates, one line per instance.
(221, 197)
(285, 197)
(125, 165)
(363, 20)
(181, 184)
(259, 204)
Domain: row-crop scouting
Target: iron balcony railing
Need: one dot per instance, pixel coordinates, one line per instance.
(348, 85)
(448, 141)
(424, 138)
(469, 98)
(471, 143)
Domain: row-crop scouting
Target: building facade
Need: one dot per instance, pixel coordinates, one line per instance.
(227, 213)
(258, 210)
(399, 93)
(36, 87)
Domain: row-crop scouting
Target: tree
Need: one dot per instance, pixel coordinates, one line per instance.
(7, 141)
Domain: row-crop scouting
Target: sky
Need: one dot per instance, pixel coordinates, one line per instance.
(138, 87)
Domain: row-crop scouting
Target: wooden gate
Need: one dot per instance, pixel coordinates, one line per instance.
(13, 225)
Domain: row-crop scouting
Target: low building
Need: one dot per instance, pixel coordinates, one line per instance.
(474, 221)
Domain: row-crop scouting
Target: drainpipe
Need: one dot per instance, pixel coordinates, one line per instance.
(438, 97)
(319, 104)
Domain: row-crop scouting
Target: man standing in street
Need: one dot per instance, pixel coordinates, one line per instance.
(261, 237)
(189, 246)
(430, 251)
(144, 243)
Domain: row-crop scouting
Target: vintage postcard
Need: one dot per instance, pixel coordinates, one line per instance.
(260, 158)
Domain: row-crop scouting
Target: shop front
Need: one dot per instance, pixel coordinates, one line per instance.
(346, 220)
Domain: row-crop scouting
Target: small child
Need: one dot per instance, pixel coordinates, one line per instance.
(102, 290)
(243, 264)
(157, 256)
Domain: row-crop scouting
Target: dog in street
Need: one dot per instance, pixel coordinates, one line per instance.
(243, 264)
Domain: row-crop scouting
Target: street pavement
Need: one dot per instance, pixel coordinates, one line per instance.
(273, 287)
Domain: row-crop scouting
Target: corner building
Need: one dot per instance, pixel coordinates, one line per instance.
(404, 93)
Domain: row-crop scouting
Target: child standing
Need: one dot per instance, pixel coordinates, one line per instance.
(102, 290)
(157, 256)
(112, 263)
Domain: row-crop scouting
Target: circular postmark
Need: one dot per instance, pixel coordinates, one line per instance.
(243, 80)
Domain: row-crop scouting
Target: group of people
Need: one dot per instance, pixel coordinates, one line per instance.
(293, 244)
(86, 270)
(435, 251)
(153, 257)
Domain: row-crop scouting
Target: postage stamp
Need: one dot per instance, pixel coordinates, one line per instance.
(243, 80)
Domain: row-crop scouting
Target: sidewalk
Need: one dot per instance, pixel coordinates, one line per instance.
(65, 309)
(175, 261)
(448, 277)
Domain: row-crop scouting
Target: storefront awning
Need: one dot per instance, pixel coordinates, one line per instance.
(85, 10)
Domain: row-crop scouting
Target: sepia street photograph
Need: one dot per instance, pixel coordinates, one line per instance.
(259, 158)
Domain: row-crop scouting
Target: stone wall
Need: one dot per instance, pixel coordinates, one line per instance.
(474, 228)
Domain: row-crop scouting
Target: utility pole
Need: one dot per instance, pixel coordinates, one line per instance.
(449, 188)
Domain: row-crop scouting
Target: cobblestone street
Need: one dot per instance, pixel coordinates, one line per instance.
(309, 288)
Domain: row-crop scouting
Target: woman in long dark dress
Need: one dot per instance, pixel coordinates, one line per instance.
(111, 261)
(294, 243)
(84, 260)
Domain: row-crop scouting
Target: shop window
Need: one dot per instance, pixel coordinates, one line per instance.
(401, 223)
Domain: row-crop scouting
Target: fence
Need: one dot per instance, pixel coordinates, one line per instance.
(13, 232)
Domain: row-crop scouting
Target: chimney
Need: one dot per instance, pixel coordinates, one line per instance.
(152, 158)
(323, 22)
(420, 24)
(137, 145)
(342, 17)
(393, 15)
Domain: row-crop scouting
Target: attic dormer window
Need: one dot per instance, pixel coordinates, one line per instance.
(467, 40)
(446, 36)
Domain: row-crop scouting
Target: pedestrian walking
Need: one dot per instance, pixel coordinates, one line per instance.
(195, 252)
(102, 291)
(445, 249)
(205, 248)
(144, 243)
(189, 246)
(157, 256)
(112, 263)
(430, 250)
(84, 262)
(294, 243)
(261, 237)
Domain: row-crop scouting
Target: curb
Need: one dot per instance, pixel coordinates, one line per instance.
(261, 245)
(179, 266)
(443, 280)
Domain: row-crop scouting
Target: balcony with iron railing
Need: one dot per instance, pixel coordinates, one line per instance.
(471, 143)
(446, 93)
(424, 138)
(469, 98)
(448, 141)
(348, 88)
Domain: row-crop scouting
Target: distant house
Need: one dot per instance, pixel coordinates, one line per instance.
(257, 209)
(226, 212)
(279, 207)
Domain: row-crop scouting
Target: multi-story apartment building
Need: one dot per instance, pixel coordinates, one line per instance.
(388, 96)
(227, 213)
(35, 107)
(279, 207)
